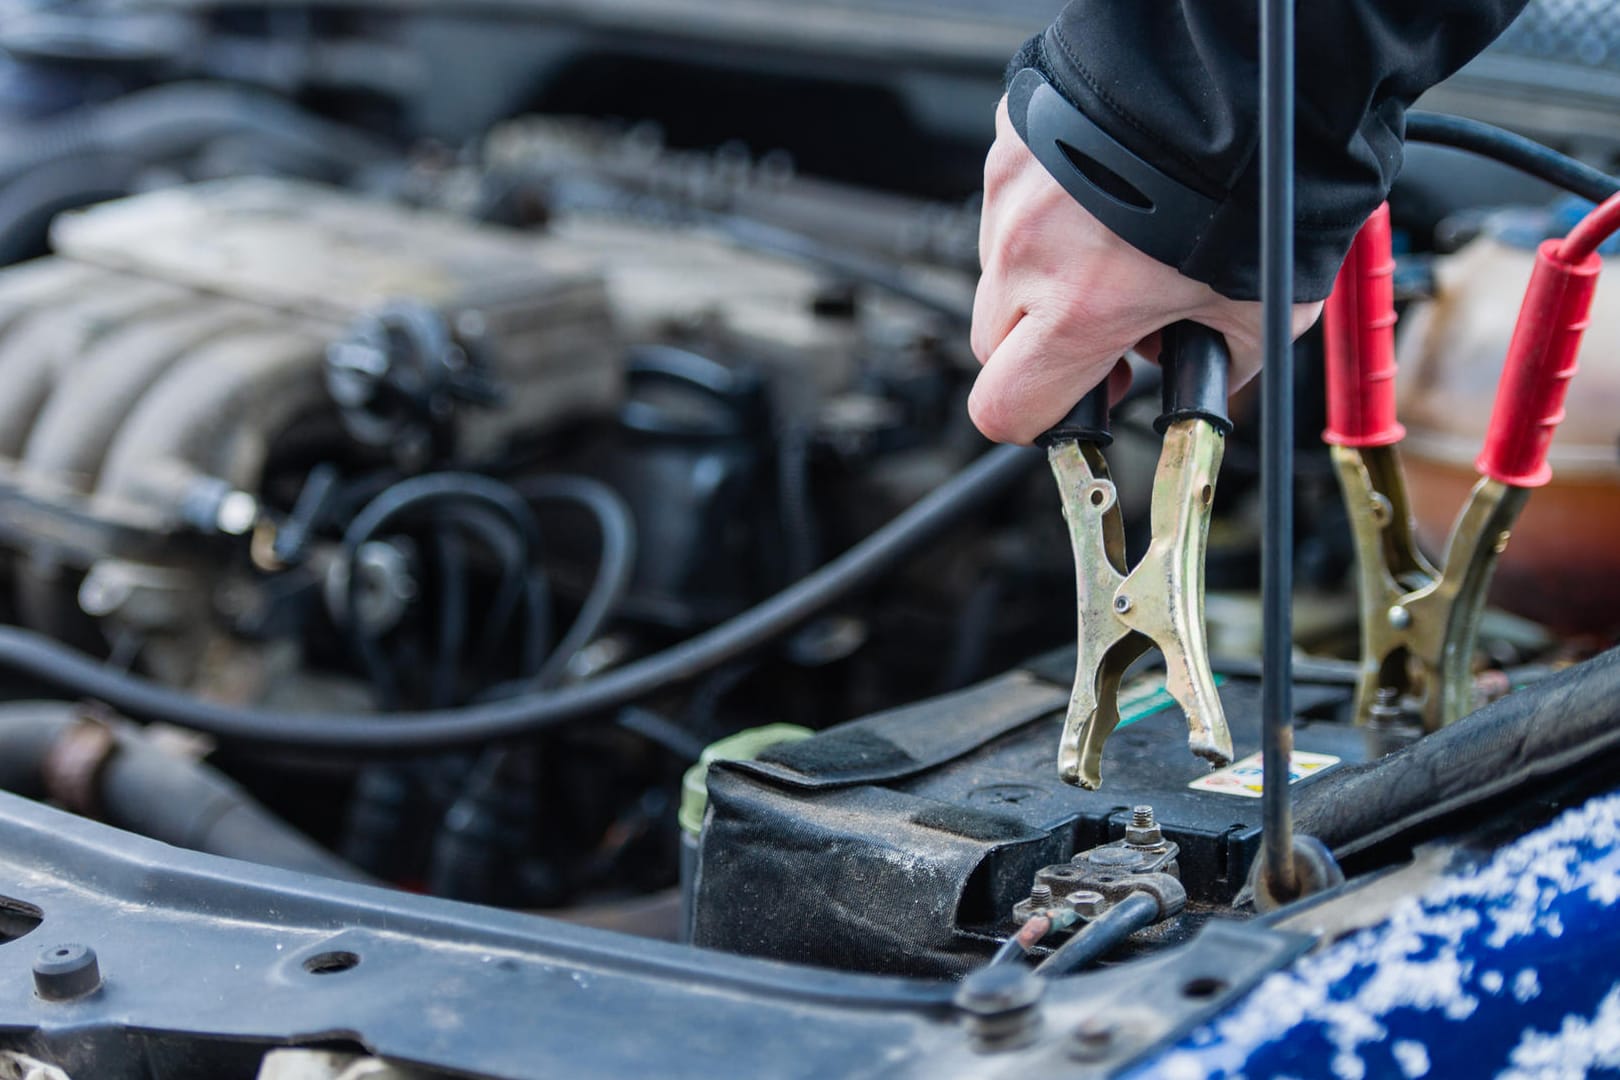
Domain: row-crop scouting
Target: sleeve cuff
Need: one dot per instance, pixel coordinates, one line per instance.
(1213, 238)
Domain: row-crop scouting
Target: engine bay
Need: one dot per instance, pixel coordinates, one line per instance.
(433, 498)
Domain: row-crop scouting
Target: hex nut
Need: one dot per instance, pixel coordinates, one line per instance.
(1144, 836)
(1087, 903)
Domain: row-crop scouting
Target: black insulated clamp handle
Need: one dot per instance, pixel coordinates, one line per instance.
(1197, 367)
(1087, 422)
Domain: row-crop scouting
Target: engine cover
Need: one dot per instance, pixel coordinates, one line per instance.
(178, 342)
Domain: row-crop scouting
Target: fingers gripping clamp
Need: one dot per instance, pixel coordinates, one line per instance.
(1125, 611)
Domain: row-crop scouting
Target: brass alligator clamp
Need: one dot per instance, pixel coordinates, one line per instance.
(1419, 622)
(1123, 612)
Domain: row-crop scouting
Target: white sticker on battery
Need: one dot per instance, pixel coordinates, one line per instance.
(1245, 777)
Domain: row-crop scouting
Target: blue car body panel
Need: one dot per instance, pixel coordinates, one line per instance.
(1511, 970)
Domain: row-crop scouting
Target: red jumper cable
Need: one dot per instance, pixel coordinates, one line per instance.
(1419, 622)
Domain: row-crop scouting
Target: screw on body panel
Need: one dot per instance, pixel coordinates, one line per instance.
(1001, 1004)
(66, 972)
(1094, 1039)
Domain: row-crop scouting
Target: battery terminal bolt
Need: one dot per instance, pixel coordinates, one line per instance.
(1143, 831)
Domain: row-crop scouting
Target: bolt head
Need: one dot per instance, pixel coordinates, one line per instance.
(1400, 618)
(1122, 604)
(998, 990)
(65, 972)
(1094, 1039)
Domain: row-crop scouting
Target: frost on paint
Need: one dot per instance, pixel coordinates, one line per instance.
(1412, 1056)
(1469, 963)
(1579, 1046)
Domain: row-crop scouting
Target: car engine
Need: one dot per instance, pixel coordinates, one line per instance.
(491, 540)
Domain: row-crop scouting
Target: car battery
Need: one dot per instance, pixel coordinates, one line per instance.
(900, 843)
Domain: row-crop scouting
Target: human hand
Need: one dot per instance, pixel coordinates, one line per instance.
(1062, 299)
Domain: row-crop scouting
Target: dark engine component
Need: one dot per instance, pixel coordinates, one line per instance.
(444, 531)
(165, 373)
(281, 444)
(902, 842)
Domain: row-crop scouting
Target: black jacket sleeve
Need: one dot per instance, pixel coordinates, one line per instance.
(1177, 83)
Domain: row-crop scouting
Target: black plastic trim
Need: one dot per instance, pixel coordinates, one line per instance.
(1197, 371)
(1087, 422)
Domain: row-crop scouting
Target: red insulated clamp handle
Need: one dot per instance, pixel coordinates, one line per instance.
(1541, 360)
(1358, 324)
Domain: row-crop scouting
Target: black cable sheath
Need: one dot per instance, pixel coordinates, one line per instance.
(1010, 951)
(511, 594)
(369, 735)
(451, 555)
(662, 731)
(1277, 437)
(1101, 936)
(494, 533)
(505, 506)
(616, 563)
(1526, 155)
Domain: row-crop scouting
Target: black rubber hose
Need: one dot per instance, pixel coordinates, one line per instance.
(1011, 951)
(417, 493)
(801, 534)
(451, 556)
(33, 198)
(615, 566)
(28, 730)
(1524, 154)
(175, 119)
(522, 587)
(373, 736)
(97, 151)
(661, 731)
(148, 791)
(1101, 936)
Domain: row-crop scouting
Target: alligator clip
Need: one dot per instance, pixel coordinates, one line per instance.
(1419, 623)
(1122, 611)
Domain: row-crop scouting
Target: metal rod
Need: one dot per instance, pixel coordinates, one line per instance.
(1277, 436)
